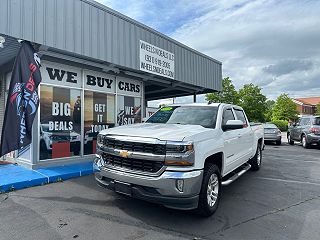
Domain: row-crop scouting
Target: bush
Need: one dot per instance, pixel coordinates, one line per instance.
(281, 124)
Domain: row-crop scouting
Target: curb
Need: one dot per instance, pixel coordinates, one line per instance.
(13, 177)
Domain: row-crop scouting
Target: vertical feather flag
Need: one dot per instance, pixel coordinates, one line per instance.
(23, 100)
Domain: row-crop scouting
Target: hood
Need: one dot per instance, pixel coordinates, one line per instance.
(171, 132)
(71, 134)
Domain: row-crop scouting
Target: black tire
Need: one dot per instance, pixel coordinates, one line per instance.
(290, 140)
(278, 142)
(304, 142)
(204, 209)
(256, 161)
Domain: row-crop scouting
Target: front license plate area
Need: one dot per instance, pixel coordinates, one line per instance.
(123, 188)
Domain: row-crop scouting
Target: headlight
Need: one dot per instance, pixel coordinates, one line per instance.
(179, 154)
(179, 147)
(54, 138)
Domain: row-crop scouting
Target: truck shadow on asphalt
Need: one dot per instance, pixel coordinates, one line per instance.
(239, 205)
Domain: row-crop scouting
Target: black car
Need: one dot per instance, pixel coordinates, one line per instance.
(306, 131)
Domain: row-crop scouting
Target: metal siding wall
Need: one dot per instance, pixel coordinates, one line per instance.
(87, 28)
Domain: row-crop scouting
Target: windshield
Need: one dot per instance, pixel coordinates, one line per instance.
(268, 125)
(317, 121)
(203, 116)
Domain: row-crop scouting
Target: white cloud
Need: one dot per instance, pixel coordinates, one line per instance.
(257, 35)
(274, 44)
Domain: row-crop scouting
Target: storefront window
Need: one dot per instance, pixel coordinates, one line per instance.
(76, 104)
(60, 122)
(129, 110)
(98, 115)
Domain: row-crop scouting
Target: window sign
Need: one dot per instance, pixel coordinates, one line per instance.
(99, 81)
(99, 114)
(129, 110)
(60, 122)
(150, 111)
(130, 87)
(59, 74)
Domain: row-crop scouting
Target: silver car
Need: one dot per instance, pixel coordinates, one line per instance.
(272, 133)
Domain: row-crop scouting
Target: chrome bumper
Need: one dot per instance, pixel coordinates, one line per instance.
(162, 189)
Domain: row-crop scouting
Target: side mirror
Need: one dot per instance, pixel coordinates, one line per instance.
(232, 125)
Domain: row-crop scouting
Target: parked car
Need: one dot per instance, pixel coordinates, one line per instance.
(180, 156)
(306, 130)
(272, 133)
(48, 137)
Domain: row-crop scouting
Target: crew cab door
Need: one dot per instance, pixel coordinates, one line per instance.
(246, 137)
(231, 141)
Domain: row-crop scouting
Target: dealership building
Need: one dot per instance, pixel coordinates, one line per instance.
(99, 69)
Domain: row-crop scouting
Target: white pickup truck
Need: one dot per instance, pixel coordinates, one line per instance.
(181, 156)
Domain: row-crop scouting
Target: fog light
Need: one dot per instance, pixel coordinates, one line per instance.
(179, 185)
(99, 176)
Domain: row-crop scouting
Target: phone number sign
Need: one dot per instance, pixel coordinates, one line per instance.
(156, 60)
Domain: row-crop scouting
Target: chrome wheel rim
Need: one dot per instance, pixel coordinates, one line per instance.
(304, 142)
(259, 157)
(212, 190)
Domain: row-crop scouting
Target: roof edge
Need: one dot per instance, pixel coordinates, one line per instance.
(128, 19)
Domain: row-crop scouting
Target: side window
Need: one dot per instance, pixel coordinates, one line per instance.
(303, 121)
(227, 115)
(307, 121)
(240, 115)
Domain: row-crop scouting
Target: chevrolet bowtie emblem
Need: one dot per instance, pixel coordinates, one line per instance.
(124, 153)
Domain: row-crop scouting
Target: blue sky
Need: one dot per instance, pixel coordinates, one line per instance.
(274, 44)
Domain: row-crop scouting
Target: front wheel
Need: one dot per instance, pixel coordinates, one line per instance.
(278, 142)
(210, 191)
(290, 140)
(255, 162)
(304, 141)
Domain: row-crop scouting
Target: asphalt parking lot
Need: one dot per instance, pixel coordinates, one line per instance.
(281, 201)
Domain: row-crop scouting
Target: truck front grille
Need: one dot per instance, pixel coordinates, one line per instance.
(159, 149)
(133, 164)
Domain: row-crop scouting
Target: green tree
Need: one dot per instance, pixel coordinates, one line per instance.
(268, 114)
(284, 108)
(253, 102)
(318, 109)
(227, 95)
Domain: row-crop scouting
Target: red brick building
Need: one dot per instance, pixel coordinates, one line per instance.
(307, 106)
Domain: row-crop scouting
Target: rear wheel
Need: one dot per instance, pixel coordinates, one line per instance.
(255, 162)
(290, 140)
(304, 142)
(210, 191)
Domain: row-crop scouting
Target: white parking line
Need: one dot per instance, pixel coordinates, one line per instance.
(287, 180)
(294, 160)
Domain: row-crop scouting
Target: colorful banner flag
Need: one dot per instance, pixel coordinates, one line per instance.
(23, 100)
